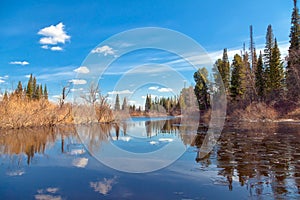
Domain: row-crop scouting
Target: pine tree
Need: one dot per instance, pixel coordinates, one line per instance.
(5, 96)
(276, 75)
(201, 88)
(117, 103)
(259, 78)
(267, 56)
(293, 65)
(217, 74)
(225, 70)
(250, 91)
(124, 105)
(148, 104)
(238, 78)
(34, 86)
(29, 91)
(19, 90)
(37, 92)
(45, 92)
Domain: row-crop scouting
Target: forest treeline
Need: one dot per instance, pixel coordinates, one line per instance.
(256, 83)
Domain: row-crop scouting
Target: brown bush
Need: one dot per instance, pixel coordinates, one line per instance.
(18, 112)
(255, 112)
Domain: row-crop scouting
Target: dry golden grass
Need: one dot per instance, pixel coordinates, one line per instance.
(295, 114)
(20, 112)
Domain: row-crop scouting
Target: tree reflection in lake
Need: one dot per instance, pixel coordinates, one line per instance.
(263, 158)
(31, 141)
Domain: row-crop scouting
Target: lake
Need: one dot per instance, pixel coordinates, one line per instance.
(155, 158)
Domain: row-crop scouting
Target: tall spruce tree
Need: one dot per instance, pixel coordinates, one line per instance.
(148, 103)
(293, 65)
(34, 86)
(259, 78)
(29, 91)
(117, 103)
(124, 105)
(45, 92)
(276, 73)
(238, 78)
(267, 57)
(19, 90)
(225, 70)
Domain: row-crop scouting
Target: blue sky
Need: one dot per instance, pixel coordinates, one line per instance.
(51, 39)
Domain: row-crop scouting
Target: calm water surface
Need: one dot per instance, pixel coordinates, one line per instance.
(250, 161)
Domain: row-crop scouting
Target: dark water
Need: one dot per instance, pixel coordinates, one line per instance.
(250, 161)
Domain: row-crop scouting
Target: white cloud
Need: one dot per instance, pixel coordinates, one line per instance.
(132, 102)
(47, 194)
(76, 89)
(103, 187)
(78, 81)
(44, 47)
(283, 47)
(56, 48)
(27, 76)
(153, 96)
(56, 96)
(164, 90)
(52, 190)
(16, 173)
(82, 70)
(3, 78)
(19, 63)
(120, 92)
(153, 88)
(153, 142)
(80, 162)
(124, 138)
(106, 50)
(46, 197)
(165, 139)
(53, 35)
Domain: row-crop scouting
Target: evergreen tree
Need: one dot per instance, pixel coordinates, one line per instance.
(34, 86)
(148, 103)
(217, 74)
(267, 56)
(5, 96)
(45, 92)
(225, 71)
(259, 78)
(117, 103)
(293, 65)
(238, 78)
(37, 92)
(250, 92)
(124, 105)
(29, 91)
(276, 75)
(19, 90)
(201, 88)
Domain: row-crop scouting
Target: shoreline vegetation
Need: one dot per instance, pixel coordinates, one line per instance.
(259, 87)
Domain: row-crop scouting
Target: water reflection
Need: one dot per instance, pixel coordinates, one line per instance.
(263, 158)
(31, 141)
